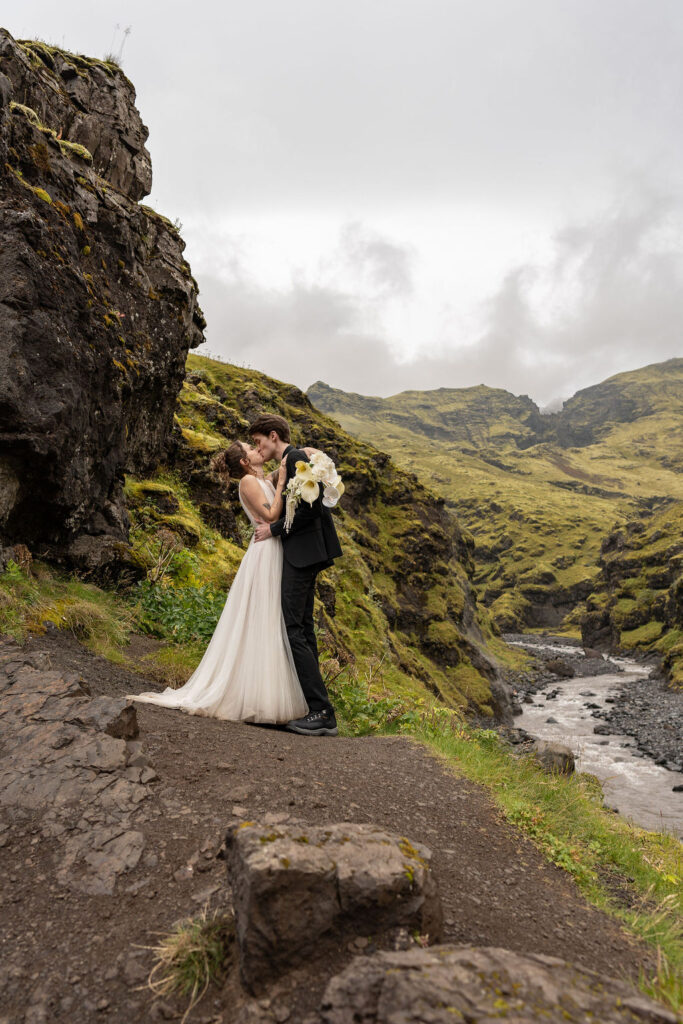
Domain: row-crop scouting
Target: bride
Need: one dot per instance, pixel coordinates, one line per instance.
(247, 673)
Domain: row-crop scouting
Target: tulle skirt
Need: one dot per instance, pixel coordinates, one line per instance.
(247, 673)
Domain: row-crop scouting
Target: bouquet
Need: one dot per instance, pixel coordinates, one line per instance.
(305, 484)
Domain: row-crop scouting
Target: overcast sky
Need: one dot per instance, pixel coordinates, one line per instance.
(389, 194)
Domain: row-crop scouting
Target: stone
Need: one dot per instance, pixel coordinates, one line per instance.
(94, 285)
(479, 985)
(602, 730)
(137, 758)
(553, 757)
(57, 763)
(560, 667)
(113, 715)
(295, 885)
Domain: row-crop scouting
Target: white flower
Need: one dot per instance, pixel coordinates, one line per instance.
(305, 484)
(322, 460)
(310, 491)
(305, 472)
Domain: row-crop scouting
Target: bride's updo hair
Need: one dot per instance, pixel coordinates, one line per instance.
(228, 463)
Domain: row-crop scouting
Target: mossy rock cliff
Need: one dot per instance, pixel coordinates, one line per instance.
(98, 306)
(637, 602)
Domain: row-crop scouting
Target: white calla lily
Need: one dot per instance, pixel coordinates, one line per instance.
(310, 491)
(306, 483)
(305, 472)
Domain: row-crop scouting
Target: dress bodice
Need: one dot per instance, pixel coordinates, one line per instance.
(269, 492)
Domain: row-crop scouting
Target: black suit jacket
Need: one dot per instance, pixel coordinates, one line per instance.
(312, 539)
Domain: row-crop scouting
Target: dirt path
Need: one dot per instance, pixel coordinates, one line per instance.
(72, 956)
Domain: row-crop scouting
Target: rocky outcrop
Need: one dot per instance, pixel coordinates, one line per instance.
(478, 985)
(296, 886)
(72, 763)
(98, 307)
(637, 600)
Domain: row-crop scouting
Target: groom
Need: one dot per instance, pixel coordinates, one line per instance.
(310, 545)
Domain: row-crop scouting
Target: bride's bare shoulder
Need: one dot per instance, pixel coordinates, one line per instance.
(249, 485)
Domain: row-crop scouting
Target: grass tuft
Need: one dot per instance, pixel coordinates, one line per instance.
(195, 954)
(28, 602)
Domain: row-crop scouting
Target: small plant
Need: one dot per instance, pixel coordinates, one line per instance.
(195, 953)
(183, 614)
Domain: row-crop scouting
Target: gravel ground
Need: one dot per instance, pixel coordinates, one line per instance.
(80, 958)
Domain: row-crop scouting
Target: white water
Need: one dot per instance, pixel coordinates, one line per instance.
(639, 789)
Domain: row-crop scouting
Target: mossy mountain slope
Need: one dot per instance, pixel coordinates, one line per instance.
(539, 493)
(638, 598)
(399, 604)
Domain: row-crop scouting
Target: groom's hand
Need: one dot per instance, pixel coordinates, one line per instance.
(262, 531)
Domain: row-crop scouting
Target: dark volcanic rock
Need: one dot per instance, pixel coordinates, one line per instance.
(559, 667)
(295, 885)
(478, 985)
(65, 759)
(98, 307)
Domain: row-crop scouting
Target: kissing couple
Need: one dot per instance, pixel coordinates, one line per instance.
(262, 663)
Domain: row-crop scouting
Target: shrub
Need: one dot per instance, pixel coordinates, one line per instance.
(183, 614)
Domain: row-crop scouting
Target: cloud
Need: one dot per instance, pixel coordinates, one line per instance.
(373, 259)
(608, 298)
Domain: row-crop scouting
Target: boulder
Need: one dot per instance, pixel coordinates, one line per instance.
(478, 985)
(560, 667)
(294, 886)
(554, 758)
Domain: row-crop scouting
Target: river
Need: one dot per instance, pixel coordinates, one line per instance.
(632, 784)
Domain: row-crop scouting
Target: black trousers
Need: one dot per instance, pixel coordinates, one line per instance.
(297, 594)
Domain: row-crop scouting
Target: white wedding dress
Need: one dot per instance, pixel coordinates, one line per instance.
(247, 673)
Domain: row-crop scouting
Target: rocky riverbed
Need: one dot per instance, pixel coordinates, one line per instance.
(620, 723)
(644, 708)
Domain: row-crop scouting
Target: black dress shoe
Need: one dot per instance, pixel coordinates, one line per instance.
(315, 723)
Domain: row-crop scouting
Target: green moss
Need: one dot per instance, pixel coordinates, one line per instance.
(39, 192)
(202, 442)
(43, 53)
(510, 610)
(642, 636)
(539, 510)
(75, 149)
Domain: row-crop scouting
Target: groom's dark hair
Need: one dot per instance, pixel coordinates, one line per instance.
(267, 422)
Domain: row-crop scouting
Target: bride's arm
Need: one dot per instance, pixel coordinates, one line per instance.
(253, 497)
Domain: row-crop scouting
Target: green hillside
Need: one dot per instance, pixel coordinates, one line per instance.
(398, 606)
(539, 493)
